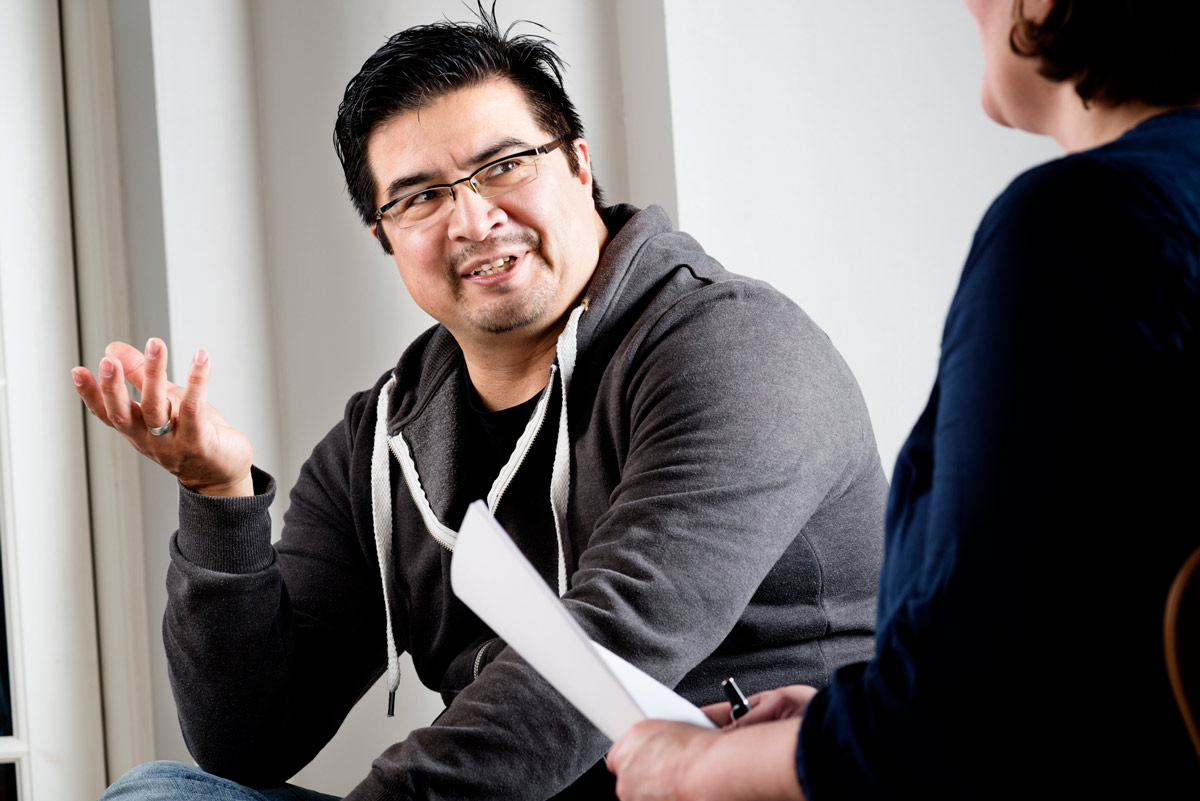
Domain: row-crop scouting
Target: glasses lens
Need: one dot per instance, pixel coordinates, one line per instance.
(491, 181)
(507, 175)
(420, 207)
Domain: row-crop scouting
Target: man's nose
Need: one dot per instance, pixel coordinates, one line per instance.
(473, 216)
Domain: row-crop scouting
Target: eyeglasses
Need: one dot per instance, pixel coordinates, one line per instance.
(491, 180)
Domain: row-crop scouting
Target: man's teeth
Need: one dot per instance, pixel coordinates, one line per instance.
(498, 266)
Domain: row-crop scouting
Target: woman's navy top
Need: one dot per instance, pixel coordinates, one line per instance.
(1042, 504)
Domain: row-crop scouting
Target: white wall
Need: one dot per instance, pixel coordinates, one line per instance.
(836, 150)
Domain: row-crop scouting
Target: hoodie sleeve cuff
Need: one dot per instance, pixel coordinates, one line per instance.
(228, 535)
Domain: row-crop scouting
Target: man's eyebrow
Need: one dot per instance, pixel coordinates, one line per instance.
(496, 148)
(420, 179)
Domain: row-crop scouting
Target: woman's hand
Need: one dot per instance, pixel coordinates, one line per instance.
(659, 759)
(656, 759)
(782, 703)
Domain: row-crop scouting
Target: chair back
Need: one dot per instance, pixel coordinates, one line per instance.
(1181, 638)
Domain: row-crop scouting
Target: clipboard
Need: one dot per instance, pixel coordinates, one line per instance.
(495, 580)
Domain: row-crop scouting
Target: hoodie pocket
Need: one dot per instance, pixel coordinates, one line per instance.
(468, 664)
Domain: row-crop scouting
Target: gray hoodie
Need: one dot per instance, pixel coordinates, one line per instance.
(708, 501)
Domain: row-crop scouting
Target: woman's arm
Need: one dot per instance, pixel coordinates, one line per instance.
(661, 759)
(751, 758)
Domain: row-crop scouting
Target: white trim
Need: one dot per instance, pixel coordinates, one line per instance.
(15, 748)
(116, 513)
(521, 449)
(43, 462)
(445, 535)
(646, 108)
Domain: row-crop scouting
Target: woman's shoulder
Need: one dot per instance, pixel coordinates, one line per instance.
(1064, 187)
(1111, 234)
(1125, 195)
(1150, 176)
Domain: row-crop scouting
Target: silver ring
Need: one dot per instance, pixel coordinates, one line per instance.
(158, 431)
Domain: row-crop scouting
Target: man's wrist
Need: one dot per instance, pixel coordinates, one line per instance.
(239, 488)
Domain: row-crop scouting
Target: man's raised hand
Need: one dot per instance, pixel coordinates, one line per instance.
(174, 426)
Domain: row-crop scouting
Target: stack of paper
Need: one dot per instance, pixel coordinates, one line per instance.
(496, 581)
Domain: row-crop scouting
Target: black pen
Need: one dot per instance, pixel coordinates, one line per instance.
(738, 705)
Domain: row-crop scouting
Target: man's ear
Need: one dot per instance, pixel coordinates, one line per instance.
(584, 160)
(381, 237)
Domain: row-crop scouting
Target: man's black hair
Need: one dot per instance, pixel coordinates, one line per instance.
(425, 62)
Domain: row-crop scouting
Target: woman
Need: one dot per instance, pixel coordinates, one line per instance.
(1044, 499)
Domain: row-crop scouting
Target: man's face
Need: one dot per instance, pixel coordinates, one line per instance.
(547, 232)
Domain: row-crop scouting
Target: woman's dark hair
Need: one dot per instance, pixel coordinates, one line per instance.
(425, 62)
(1117, 50)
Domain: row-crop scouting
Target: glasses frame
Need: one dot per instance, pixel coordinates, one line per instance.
(469, 181)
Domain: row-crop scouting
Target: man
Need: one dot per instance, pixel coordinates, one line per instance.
(678, 450)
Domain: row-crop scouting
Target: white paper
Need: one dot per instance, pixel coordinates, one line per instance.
(498, 584)
(653, 699)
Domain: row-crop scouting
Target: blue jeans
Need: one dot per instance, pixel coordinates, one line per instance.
(175, 781)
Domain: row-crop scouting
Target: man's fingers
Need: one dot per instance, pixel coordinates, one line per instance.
(131, 359)
(195, 394)
(119, 410)
(173, 425)
(156, 406)
(89, 391)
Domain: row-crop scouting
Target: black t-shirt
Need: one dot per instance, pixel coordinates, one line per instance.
(492, 436)
(495, 432)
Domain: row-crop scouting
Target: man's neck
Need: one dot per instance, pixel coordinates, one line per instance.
(509, 369)
(506, 374)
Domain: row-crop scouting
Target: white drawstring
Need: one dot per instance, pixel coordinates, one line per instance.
(381, 517)
(381, 485)
(560, 478)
